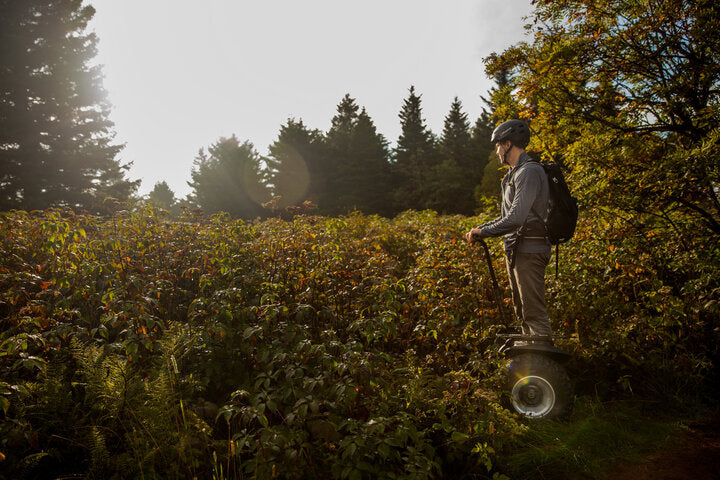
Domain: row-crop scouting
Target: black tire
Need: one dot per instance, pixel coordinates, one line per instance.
(539, 387)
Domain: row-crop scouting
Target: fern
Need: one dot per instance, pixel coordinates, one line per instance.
(100, 457)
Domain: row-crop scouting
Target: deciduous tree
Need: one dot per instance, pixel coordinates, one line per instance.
(629, 92)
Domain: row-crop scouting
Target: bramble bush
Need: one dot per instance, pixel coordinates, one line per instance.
(643, 300)
(351, 347)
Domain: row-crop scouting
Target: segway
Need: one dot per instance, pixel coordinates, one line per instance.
(538, 383)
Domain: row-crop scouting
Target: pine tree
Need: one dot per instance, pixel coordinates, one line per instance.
(483, 149)
(55, 136)
(456, 140)
(229, 178)
(484, 153)
(338, 166)
(358, 167)
(162, 196)
(487, 189)
(455, 178)
(370, 154)
(500, 100)
(415, 156)
(297, 164)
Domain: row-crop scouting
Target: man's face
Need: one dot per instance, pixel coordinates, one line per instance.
(501, 148)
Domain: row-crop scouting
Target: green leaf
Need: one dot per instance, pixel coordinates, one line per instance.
(383, 450)
(31, 363)
(459, 437)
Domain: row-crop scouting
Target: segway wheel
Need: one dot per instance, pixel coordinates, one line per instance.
(539, 387)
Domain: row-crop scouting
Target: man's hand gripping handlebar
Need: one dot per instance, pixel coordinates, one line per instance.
(474, 235)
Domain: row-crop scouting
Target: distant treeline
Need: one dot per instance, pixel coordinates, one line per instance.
(349, 167)
(57, 147)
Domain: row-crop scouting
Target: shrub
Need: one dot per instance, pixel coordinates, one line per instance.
(350, 347)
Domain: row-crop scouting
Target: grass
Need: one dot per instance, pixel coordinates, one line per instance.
(596, 437)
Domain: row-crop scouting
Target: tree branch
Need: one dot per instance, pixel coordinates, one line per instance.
(712, 223)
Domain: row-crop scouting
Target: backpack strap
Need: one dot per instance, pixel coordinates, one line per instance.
(557, 245)
(532, 209)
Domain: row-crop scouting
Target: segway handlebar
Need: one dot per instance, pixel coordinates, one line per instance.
(496, 287)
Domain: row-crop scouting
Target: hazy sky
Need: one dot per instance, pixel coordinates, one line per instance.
(180, 74)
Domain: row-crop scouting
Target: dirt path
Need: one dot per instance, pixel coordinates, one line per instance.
(695, 455)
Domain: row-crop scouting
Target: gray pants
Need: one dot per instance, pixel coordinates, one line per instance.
(527, 281)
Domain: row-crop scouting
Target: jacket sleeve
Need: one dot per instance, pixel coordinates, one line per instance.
(527, 185)
(489, 224)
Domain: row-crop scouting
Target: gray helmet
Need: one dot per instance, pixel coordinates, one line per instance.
(516, 131)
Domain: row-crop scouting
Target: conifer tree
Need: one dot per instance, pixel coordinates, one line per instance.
(486, 164)
(162, 196)
(415, 156)
(370, 153)
(338, 144)
(297, 164)
(358, 168)
(489, 188)
(500, 100)
(456, 176)
(483, 149)
(456, 139)
(499, 108)
(55, 136)
(228, 178)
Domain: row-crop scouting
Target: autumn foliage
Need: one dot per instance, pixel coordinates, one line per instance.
(350, 347)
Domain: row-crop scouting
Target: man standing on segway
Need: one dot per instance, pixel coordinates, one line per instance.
(524, 210)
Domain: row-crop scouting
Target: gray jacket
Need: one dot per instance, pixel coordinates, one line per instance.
(525, 192)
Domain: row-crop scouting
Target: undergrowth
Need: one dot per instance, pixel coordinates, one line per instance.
(599, 436)
(352, 347)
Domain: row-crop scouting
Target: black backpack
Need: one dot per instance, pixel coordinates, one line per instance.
(562, 211)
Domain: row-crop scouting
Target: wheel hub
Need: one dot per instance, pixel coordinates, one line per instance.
(533, 396)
